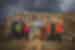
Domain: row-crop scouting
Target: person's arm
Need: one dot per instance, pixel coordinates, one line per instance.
(23, 26)
(12, 26)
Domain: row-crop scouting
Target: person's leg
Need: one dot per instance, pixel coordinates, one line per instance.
(22, 34)
(27, 36)
(15, 34)
(58, 37)
(19, 35)
(51, 37)
(48, 36)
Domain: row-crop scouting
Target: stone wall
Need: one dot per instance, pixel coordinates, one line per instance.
(69, 20)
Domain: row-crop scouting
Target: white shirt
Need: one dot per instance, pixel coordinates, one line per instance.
(38, 23)
(36, 26)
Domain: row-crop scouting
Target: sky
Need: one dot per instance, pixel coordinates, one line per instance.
(67, 5)
(11, 7)
(31, 5)
(41, 5)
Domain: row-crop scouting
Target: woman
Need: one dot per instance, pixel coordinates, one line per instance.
(26, 31)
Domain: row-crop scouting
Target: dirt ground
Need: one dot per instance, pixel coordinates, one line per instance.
(26, 45)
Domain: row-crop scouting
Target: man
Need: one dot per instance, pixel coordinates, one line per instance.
(51, 35)
(17, 27)
(59, 30)
(36, 25)
(51, 28)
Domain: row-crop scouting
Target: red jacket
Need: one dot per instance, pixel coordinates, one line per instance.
(26, 28)
(59, 28)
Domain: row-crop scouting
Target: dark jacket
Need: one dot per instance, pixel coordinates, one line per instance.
(13, 27)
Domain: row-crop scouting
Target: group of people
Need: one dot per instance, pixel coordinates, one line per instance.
(19, 28)
(45, 31)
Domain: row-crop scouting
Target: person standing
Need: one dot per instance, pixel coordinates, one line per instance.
(36, 26)
(27, 30)
(17, 27)
(59, 30)
(51, 35)
(52, 28)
